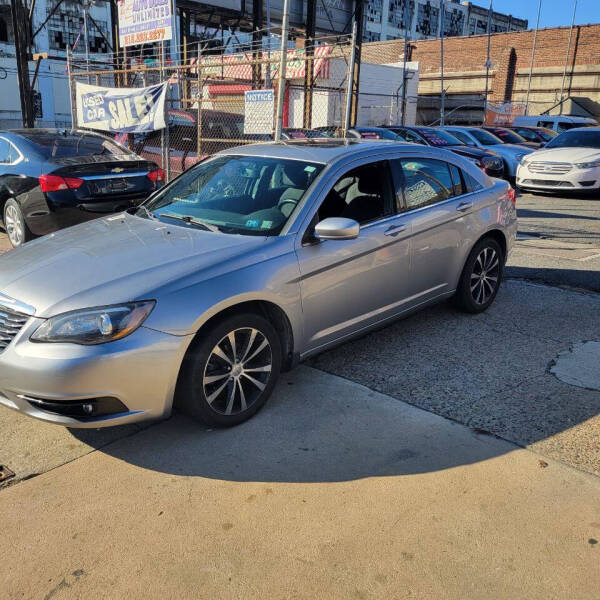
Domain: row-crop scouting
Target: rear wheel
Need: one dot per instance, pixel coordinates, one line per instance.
(231, 371)
(481, 276)
(14, 223)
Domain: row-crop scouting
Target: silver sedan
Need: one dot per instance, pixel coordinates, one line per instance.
(246, 264)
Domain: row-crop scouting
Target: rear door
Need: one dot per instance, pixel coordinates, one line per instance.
(442, 213)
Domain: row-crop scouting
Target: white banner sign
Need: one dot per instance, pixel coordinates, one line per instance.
(259, 108)
(144, 21)
(129, 110)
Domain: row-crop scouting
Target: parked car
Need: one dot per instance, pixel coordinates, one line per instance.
(252, 260)
(507, 136)
(570, 161)
(374, 133)
(557, 123)
(487, 160)
(51, 178)
(220, 130)
(480, 138)
(538, 135)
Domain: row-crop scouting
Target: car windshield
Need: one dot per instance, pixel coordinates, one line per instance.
(249, 195)
(508, 137)
(485, 137)
(576, 139)
(438, 137)
(58, 145)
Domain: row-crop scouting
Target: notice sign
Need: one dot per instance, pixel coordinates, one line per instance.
(144, 21)
(129, 110)
(259, 108)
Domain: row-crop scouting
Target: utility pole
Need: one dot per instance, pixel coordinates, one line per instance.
(21, 21)
(282, 70)
(488, 63)
(537, 25)
(443, 99)
(407, 22)
(562, 87)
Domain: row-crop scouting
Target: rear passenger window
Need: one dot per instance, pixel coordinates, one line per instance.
(471, 183)
(426, 181)
(4, 151)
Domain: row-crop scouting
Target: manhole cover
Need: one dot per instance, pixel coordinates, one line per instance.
(579, 366)
(5, 473)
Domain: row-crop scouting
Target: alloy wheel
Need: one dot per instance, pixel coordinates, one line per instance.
(485, 275)
(237, 371)
(13, 225)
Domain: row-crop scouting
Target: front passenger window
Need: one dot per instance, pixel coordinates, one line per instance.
(426, 181)
(363, 194)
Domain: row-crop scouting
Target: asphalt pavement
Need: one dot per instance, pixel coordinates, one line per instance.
(447, 455)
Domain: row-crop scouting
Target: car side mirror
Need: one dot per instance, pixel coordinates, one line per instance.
(337, 228)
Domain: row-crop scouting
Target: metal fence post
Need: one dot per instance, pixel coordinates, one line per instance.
(164, 134)
(350, 80)
(199, 93)
(73, 112)
(282, 71)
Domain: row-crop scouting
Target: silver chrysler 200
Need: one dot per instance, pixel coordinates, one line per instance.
(247, 263)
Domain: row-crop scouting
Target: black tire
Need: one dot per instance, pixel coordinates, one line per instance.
(481, 276)
(14, 224)
(205, 372)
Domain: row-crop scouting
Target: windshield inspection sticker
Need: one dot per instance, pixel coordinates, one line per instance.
(266, 225)
(252, 223)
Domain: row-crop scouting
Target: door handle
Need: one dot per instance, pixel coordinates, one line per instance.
(464, 206)
(394, 230)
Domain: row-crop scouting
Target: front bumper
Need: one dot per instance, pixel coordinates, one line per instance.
(139, 373)
(575, 180)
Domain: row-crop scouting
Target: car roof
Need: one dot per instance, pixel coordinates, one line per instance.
(320, 150)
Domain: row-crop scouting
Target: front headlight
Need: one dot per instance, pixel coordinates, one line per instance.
(491, 162)
(588, 165)
(92, 326)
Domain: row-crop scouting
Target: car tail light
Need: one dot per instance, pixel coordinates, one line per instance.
(512, 195)
(55, 183)
(157, 176)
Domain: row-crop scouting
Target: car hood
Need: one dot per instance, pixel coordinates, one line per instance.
(112, 260)
(511, 149)
(571, 155)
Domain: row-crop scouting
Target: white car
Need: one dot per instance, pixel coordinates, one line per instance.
(571, 161)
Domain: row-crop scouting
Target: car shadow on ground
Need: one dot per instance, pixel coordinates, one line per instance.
(489, 371)
(316, 428)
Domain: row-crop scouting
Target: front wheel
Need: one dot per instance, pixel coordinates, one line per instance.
(481, 276)
(230, 372)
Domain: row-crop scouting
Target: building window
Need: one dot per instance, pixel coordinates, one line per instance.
(374, 10)
(428, 18)
(66, 25)
(401, 13)
(6, 30)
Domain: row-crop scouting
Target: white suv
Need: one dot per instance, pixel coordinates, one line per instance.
(570, 161)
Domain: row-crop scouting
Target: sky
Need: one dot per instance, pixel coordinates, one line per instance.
(555, 13)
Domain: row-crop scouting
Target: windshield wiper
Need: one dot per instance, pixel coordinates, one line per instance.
(190, 220)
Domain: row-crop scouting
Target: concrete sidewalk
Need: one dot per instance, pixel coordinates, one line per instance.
(333, 491)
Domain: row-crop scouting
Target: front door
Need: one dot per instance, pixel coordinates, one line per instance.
(347, 285)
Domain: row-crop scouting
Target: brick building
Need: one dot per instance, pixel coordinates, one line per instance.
(510, 55)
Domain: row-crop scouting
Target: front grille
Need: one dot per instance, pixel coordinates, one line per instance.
(11, 323)
(547, 182)
(549, 167)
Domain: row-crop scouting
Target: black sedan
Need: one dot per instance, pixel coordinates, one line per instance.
(486, 160)
(537, 135)
(50, 179)
(508, 136)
